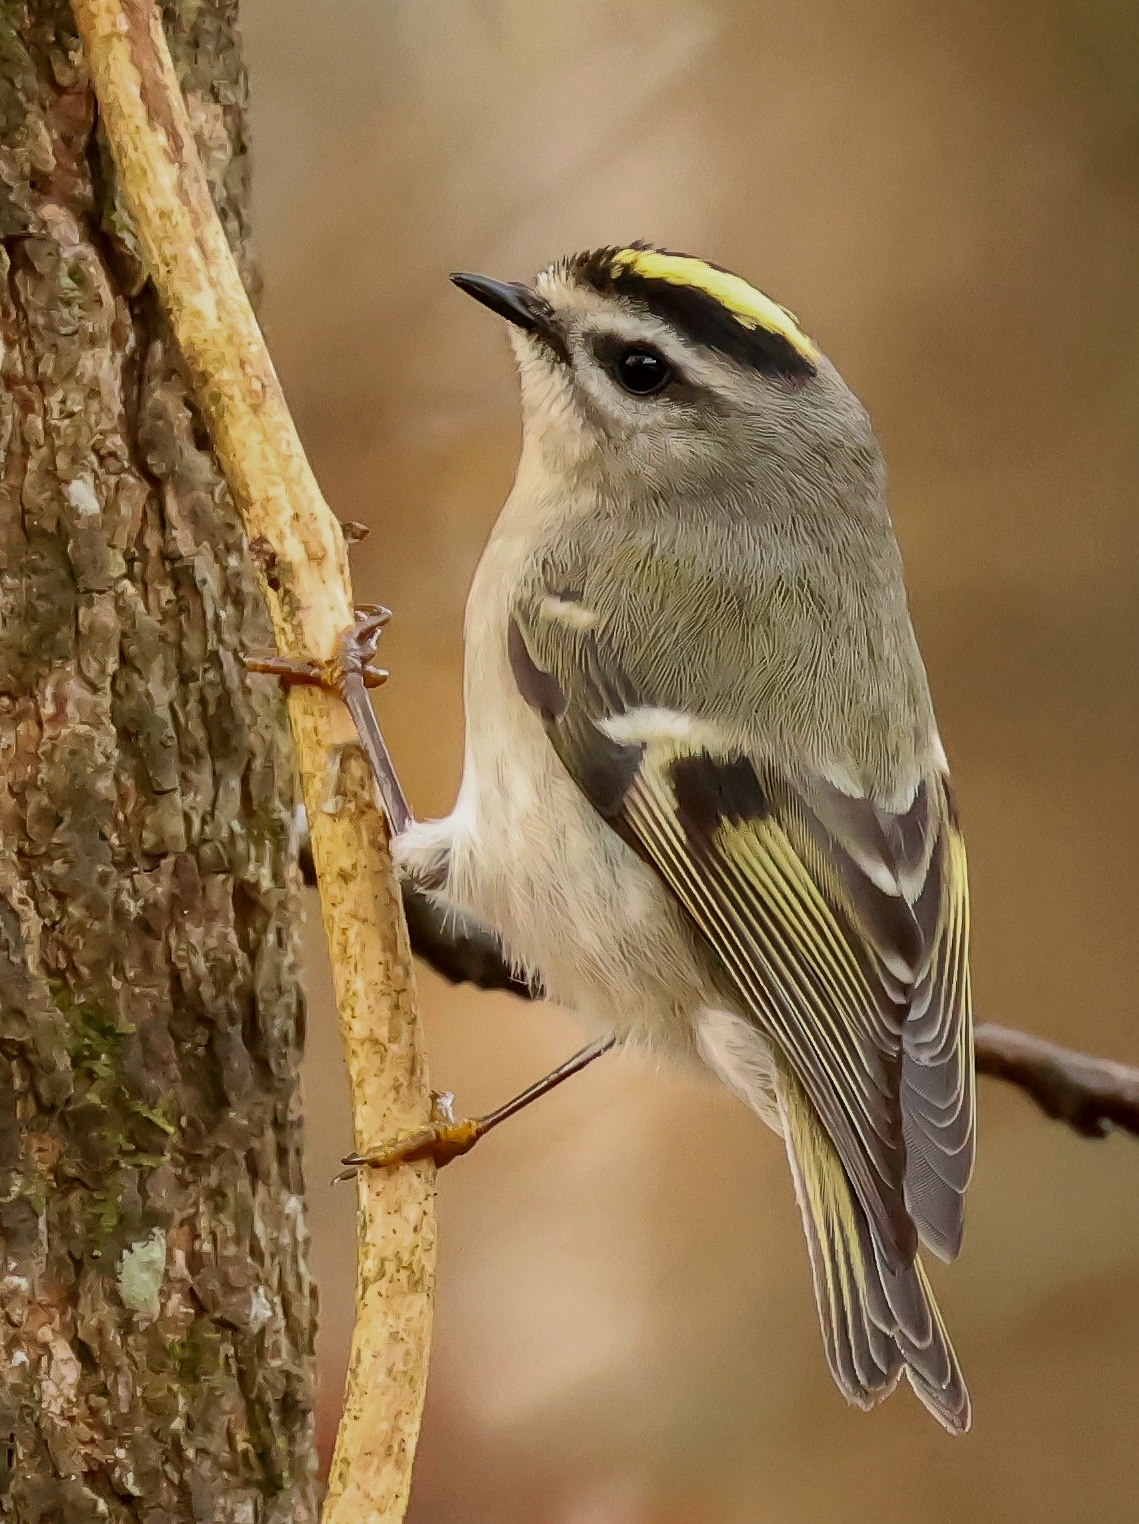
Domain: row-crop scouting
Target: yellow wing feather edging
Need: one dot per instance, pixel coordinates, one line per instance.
(876, 1323)
(775, 935)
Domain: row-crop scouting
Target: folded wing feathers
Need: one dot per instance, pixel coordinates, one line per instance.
(921, 927)
(877, 1321)
(750, 894)
(845, 927)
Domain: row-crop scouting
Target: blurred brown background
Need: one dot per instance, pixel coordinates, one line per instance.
(948, 196)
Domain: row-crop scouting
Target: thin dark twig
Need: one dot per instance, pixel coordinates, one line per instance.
(1093, 1096)
(460, 949)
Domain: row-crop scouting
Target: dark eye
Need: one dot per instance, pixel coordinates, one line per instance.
(642, 370)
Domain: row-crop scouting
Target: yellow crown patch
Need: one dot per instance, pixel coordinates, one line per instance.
(748, 306)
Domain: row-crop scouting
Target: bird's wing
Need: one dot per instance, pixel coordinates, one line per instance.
(835, 924)
(899, 883)
(938, 1076)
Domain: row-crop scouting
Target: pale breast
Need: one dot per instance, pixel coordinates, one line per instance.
(530, 856)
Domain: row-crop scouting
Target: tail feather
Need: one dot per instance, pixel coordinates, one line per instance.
(934, 1202)
(877, 1323)
(938, 1085)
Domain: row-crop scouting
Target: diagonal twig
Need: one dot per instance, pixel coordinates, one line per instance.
(1093, 1096)
(310, 601)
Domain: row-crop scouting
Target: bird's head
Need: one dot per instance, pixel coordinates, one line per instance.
(645, 369)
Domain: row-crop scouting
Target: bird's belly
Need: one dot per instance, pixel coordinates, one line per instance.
(530, 857)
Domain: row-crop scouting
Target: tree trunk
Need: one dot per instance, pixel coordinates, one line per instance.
(157, 1323)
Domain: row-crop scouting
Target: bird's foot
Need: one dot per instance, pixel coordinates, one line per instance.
(441, 1141)
(445, 1139)
(354, 654)
(347, 675)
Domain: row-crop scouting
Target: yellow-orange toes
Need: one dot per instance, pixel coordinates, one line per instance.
(440, 1142)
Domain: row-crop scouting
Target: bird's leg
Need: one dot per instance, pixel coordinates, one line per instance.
(445, 1138)
(349, 675)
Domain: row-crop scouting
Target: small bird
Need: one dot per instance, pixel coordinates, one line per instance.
(704, 800)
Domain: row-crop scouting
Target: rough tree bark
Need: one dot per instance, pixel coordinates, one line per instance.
(157, 1323)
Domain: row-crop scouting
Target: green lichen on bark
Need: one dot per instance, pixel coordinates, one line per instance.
(156, 1315)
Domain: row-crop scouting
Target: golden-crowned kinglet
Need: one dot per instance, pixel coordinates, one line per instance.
(703, 797)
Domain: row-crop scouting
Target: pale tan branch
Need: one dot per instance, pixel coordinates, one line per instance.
(163, 186)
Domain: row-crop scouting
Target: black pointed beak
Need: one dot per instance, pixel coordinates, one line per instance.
(517, 304)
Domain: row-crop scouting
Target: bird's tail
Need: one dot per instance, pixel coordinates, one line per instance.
(877, 1322)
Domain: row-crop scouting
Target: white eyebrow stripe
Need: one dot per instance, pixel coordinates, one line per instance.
(613, 322)
(650, 724)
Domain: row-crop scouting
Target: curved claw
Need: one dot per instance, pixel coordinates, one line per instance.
(358, 643)
(353, 657)
(373, 611)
